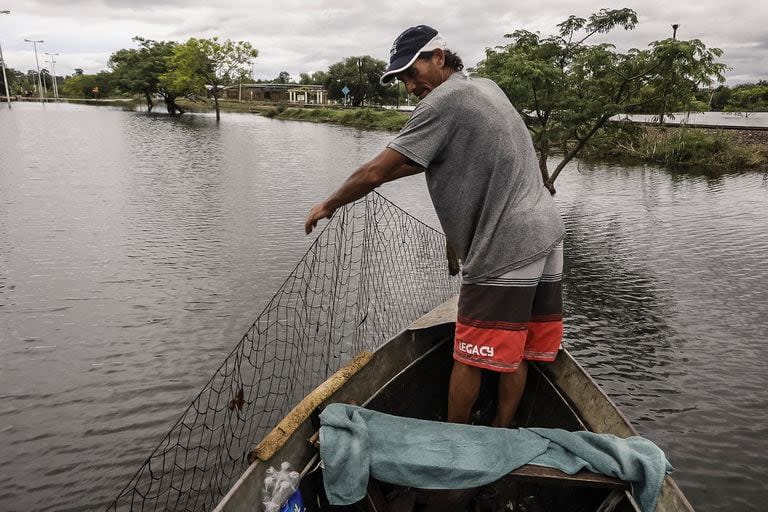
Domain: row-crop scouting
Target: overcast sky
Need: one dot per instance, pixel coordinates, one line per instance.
(302, 36)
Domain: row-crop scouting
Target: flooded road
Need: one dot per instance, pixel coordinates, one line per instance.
(136, 249)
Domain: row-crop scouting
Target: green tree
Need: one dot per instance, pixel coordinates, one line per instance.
(361, 76)
(718, 97)
(567, 89)
(283, 77)
(205, 66)
(19, 83)
(47, 80)
(78, 86)
(95, 86)
(748, 98)
(138, 71)
(706, 96)
(683, 66)
(316, 78)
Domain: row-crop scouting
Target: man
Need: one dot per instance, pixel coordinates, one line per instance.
(483, 178)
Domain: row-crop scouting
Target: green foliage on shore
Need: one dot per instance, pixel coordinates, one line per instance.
(203, 67)
(748, 98)
(360, 74)
(701, 149)
(100, 85)
(138, 71)
(567, 87)
(678, 147)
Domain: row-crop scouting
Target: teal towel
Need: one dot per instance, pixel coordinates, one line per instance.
(358, 443)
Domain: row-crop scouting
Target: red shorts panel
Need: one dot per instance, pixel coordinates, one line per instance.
(493, 349)
(515, 316)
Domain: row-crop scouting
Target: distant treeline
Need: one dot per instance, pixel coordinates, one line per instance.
(565, 86)
(201, 68)
(746, 97)
(749, 97)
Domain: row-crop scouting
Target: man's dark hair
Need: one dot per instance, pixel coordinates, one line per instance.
(452, 60)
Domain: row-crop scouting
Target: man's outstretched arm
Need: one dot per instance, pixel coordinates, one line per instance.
(386, 166)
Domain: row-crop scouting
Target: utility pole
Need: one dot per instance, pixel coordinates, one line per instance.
(2, 64)
(37, 63)
(360, 77)
(53, 74)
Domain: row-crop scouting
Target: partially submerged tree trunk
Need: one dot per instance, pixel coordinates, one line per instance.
(150, 105)
(582, 141)
(548, 182)
(171, 106)
(543, 157)
(216, 106)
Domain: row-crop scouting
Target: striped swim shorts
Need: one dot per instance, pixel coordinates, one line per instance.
(517, 315)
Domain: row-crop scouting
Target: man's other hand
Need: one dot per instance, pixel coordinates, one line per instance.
(319, 211)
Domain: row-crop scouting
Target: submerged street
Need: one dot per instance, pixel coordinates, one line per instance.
(136, 249)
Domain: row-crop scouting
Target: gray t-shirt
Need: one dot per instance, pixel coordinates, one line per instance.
(483, 176)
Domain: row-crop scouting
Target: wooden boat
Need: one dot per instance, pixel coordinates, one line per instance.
(409, 377)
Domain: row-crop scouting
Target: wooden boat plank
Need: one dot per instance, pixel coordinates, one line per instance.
(288, 425)
(445, 313)
(541, 474)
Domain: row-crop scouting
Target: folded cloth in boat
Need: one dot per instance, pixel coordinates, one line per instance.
(356, 443)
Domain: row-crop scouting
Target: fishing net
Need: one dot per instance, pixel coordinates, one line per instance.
(372, 270)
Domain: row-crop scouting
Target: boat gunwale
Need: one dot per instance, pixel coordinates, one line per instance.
(579, 390)
(389, 360)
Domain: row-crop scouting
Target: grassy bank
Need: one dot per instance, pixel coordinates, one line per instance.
(678, 147)
(682, 147)
(362, 118)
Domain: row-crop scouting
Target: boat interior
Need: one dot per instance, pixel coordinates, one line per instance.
(420, 391)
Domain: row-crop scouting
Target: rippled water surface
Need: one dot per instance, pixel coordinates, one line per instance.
(136, 249)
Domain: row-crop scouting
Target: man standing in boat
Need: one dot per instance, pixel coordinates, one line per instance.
(484, 181)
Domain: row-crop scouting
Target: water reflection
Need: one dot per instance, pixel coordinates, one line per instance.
(617, 307)
(669, 319)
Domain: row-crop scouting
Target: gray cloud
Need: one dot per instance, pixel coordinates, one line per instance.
(299, 36)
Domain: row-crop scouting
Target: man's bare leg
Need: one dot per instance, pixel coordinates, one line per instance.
(463, 391)
(511, 387)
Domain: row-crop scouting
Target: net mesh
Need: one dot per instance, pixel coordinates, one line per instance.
(371, 271)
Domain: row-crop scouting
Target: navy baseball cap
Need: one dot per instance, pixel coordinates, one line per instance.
(407, 47)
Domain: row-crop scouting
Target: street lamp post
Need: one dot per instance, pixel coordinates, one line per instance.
(2, 64)
(37, 63)
(363, 89)
(53, 74)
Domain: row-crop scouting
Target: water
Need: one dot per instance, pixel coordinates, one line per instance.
(135, 249)
(758, 120)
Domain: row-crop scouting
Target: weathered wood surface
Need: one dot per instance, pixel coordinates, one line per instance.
(367, 378)
(443, 314)
(596, 409)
